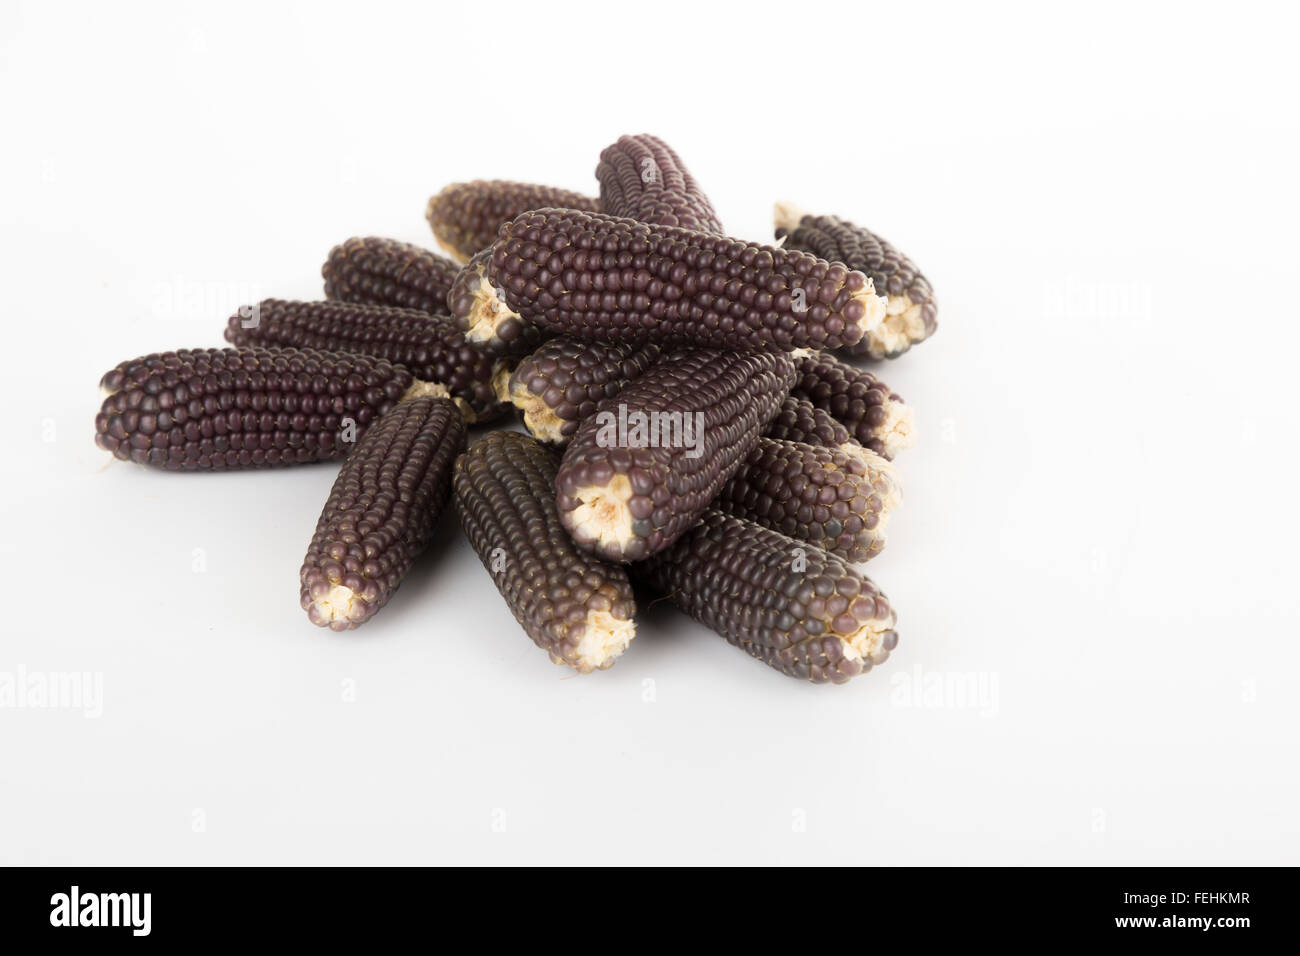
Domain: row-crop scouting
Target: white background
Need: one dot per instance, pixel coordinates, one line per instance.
(1099, 525)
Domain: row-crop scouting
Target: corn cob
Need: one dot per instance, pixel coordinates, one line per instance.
(792, 606)
(381, 512)
(801, 420)
(599, 277)
(429, 345)
(475, 307)
(574, 606)
(375, 271)
(205, 409)
(911, 311)
(835, 500)
(875, 416)
(642, 178)
(642, 470)
(563, 381)
(465, 217)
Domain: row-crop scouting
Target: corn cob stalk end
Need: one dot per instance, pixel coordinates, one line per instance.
(421, 389)
(786, 215)
(904, 323)
(604, 638)
(488, 313)
(338, 608)
(871, 640)
(603, 518)
(540, 419)
(480, 309)
(501, 382)
(897, 430)
(565, 380)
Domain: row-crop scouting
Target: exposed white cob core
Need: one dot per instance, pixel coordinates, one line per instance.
(604, 518)
(539, 418)
(868, 641)
(604, 638)
(903, 324)
(501, 383)
(420, 389)
(488, 313)
(898, 431)
(873, 310)
(787, 215)
(339, 605)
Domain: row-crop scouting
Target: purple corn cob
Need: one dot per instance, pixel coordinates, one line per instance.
(599, 277)
(875, 416)
(574, 606)
(561, 383)
(911, 310)
(838, 501)
(792, 606)
(465, 217)
(479, 313)
(429, 345)
(381, 512)
(212, 409)
(642, 178)
(376, 271)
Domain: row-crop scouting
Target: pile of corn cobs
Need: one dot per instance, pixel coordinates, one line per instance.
(691, 428)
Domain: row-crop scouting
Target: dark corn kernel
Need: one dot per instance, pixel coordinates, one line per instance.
(574, 606)
(208, 409)
(801, 420)
(642, 178)
(375, 271)
(911, 312)
(830, 498)
(429, 345)
(465, 217)
(792, 606)
(476, 308)
(563, 381)
(875, 416)
(642, 470)
(381, 512)
(616, 280)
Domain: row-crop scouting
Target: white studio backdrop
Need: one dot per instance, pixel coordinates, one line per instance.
(1094, 564)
